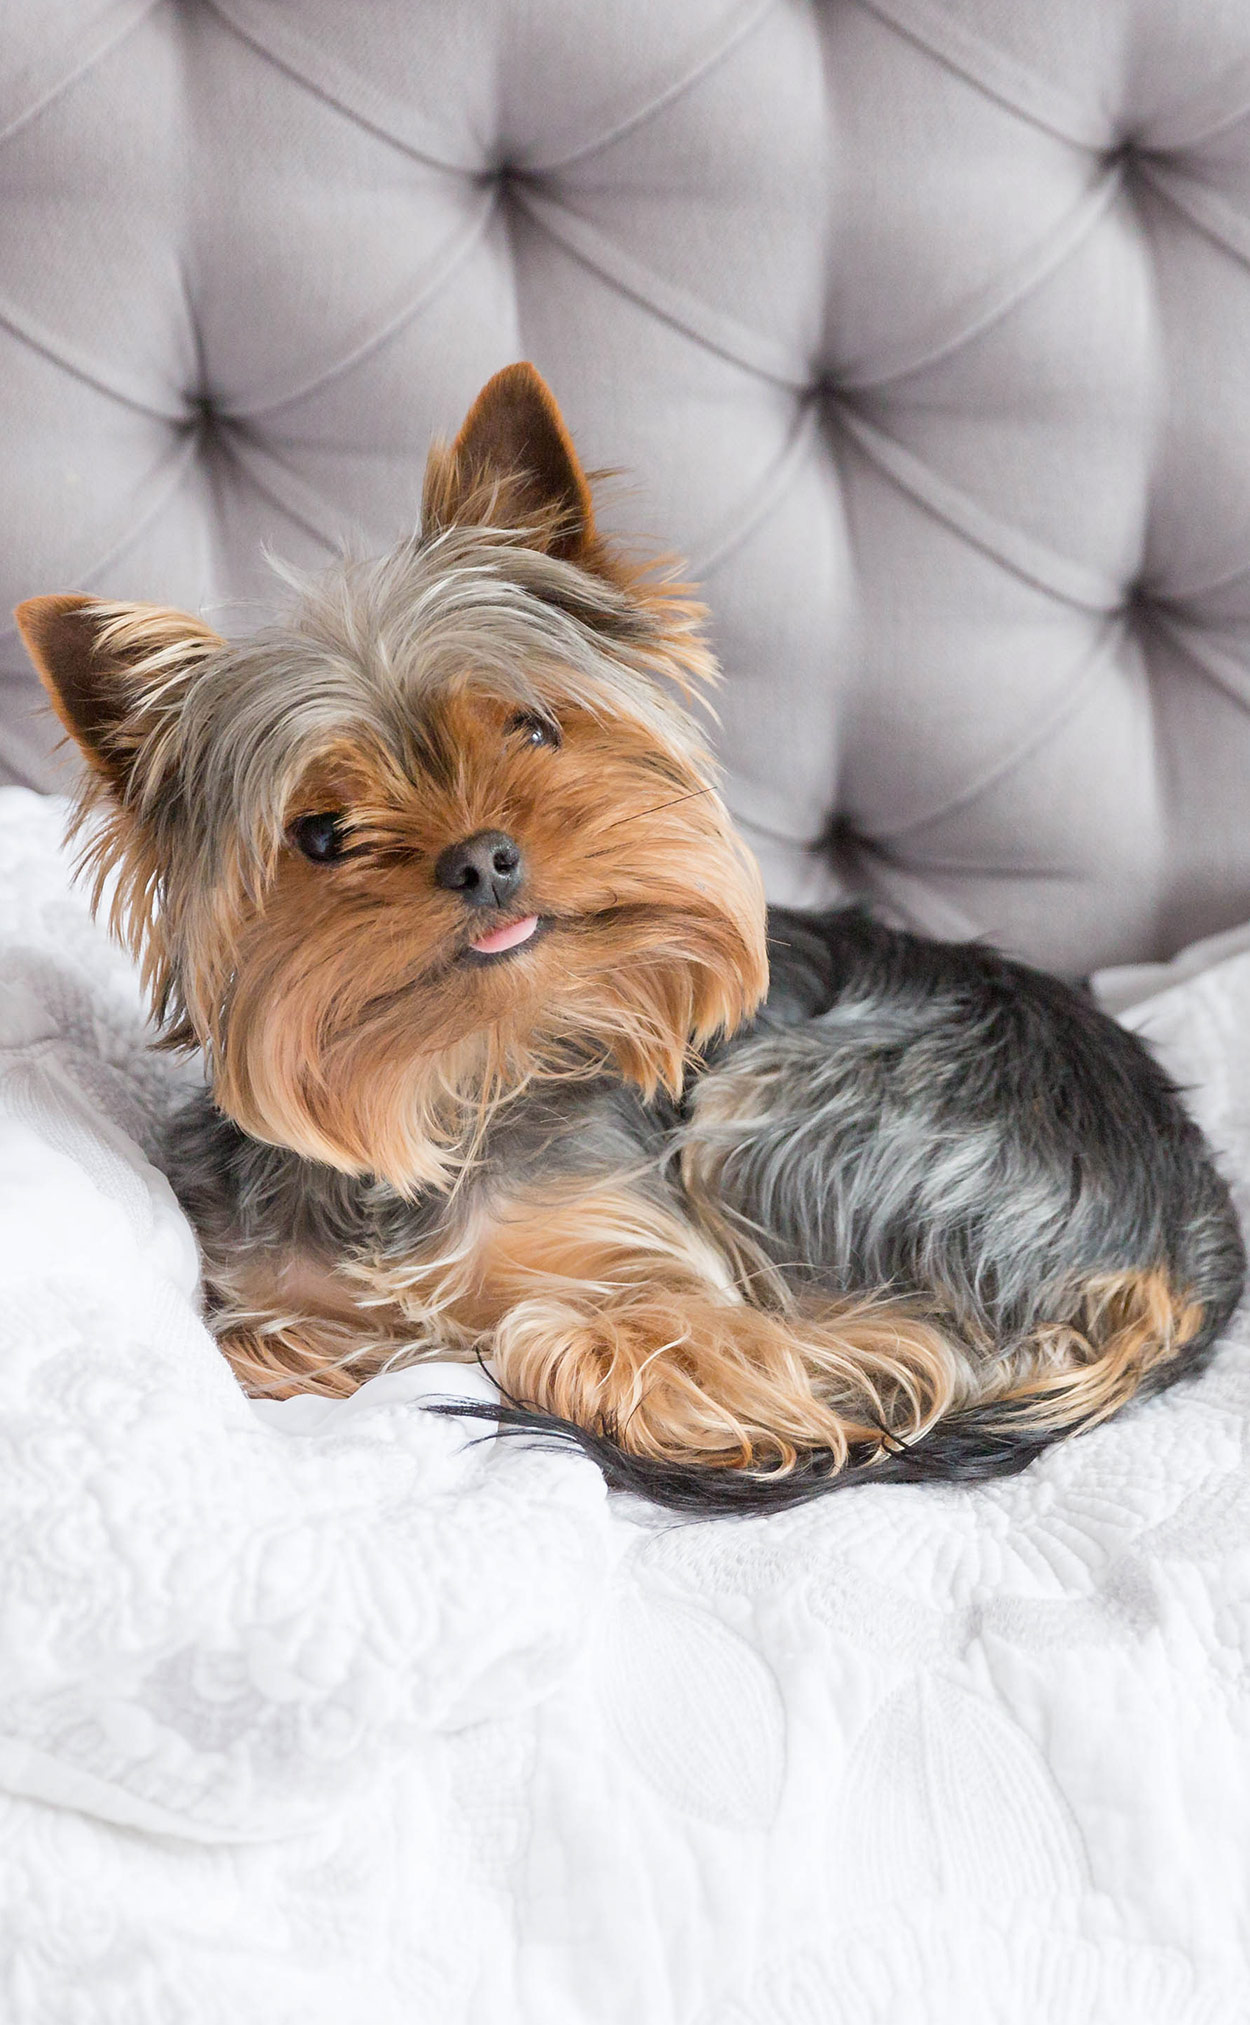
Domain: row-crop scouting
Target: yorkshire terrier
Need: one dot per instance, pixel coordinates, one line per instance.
(508, 1060)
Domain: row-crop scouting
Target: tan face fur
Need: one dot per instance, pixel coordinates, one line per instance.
(503, 671)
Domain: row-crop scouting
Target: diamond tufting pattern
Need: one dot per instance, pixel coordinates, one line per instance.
(920, 326)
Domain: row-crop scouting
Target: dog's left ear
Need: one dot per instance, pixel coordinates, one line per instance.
(513, 465)
(114, 673)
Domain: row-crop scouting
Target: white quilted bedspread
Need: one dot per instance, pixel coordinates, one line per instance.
(328, 1714)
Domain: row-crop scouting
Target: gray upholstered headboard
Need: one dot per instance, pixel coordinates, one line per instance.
(921, 326)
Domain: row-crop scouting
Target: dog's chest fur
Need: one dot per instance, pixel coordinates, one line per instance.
(271, 1210)
(268, 1219)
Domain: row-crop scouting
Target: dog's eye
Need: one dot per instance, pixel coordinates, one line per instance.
(534, 729)
(321, 838)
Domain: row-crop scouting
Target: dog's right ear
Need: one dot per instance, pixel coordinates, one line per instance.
(116, 674)
(513, 465)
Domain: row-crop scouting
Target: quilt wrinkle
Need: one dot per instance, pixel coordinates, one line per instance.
(338, 1712)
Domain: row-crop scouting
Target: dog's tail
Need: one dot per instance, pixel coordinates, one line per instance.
(700, 1490)
(744, 1411)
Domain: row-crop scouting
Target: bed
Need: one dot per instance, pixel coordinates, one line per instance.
(918, 325)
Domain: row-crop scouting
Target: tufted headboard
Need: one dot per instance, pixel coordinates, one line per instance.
(922, 327)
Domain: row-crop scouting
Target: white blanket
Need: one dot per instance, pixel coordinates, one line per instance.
(344, 1715)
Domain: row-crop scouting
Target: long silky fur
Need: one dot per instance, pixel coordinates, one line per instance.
(960, 1451)
(920, 1214)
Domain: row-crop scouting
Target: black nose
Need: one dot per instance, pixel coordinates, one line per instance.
(485, 870)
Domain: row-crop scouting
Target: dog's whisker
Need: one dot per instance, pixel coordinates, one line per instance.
(637, 815)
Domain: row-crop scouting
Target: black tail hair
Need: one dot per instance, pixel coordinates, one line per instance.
(967, 1448)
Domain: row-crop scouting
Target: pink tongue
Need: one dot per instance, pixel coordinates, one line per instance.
(510, 937)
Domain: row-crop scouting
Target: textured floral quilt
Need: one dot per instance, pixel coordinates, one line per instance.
(342, 1714)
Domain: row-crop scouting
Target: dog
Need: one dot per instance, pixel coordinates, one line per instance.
(507, 1059)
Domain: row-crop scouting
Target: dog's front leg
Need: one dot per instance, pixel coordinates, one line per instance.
(611, 1310)
(603, 1304)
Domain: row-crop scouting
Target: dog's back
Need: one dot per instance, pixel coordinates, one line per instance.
(935, 1120)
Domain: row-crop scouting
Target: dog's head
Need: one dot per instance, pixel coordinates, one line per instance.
(449, 828)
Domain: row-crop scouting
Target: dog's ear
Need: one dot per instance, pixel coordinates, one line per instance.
(115, 674)
(513, 465)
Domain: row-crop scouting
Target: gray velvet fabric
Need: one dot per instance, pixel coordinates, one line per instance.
(921, 326)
